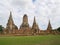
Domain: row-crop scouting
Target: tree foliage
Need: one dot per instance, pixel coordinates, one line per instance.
(58, 29)
(1, 29)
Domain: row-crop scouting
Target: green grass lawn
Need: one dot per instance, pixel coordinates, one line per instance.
(30, 40)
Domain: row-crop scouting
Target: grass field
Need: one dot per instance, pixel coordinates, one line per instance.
(30, 40)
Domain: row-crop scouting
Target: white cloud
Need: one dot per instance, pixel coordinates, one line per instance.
(42, 9)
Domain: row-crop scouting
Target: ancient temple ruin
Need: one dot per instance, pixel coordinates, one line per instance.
(10, 27)
(25, 29)
(35, 28)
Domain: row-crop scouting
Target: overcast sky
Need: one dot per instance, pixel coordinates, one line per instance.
(43, 10)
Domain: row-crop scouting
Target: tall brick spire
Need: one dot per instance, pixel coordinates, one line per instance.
(10, 20)
(49, 28)
(35, 27)
(10, 15)
(10, 25)
(34, 20)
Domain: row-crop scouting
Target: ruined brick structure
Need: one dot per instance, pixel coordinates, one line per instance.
(11, 27)
(25, 29)
(35, 28)
(49, 28)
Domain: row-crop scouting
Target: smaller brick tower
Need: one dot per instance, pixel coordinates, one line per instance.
(35, 28)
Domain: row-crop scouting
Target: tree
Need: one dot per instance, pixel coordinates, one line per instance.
(1, 29)
(58, 29)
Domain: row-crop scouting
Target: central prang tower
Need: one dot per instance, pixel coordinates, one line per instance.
(25, 24)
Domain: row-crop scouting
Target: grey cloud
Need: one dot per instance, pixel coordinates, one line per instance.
(19, 3)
